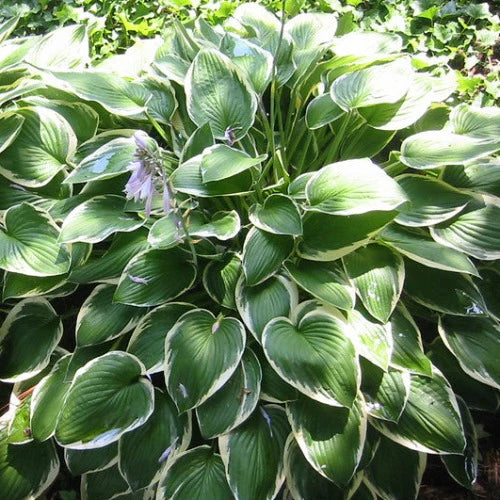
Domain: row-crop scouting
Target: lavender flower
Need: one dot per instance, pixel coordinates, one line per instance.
(147, 172)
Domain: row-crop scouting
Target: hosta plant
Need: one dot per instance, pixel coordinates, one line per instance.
(255, 261)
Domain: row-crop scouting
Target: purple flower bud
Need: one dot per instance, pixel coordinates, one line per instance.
(140, 139)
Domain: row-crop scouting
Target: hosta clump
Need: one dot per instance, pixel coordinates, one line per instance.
(216, 259)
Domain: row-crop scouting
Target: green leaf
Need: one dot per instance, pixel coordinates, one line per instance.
(26, 470)
(378, 275)
(29, 334)
(109, 160)
(147, 342)
(435, 148)
(107, 398)
(63, 48)
(111, 264)
(197, 473)
(82, 461)
(430, 201)
(431, 421)
(395, 471)
(48, 398)
(263, 254)
(220, 278)
(372, 340)
(100, 319)
(367, 44)
(483, 123)
(385, 393)
(464, 469)
(419, 248)
(220, 162)
(403, 113)
(365, 142)
(29, 243)
(316, 357)
(234, 402)
(482, 176)
(321, 111)
(255, 63)
(477, 395)
(329, 237)
(200, 139)
(217, 93)
(143, 450)
(82, 118)
(113, 92)
(352, 187)
(201, 354)
(42, 148)
(187, 179)
(94, 220)
(451, 293)
(408, 352)
(324, 280)
(259, 304)
(253, 454)
(473, 341)
(10, 126)
(104, 484)
(302, 480)
(330, 438)
(154, 277)
(475, 232)
(385, 83)
(278, 215)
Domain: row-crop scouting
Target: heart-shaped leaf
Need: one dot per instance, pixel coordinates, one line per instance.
(316, 357)
(302, 480)
(100, 319)
(28, 230)
(93, 460)
(220, 278)
(26, 470)
(107, 398)
(435, 148)
(353, 187)
(29, 334)
(386, 393)
(430, 201)
(197, 472)
(431, 420)
(220, 162)
(259, 304)
(110, 160)
(148, 340)
(325, 281)
(473, 341)
(253, 454)
(10, 125)
(321, 111)
(418, 247)
(201, 354)
(475, 232)
(217, 94)
(154, 277)
(234, 402)
(483, 123)
(143, 450)
(331, 439)
(263, 254)
(94, 220)
(373, 341)
(408, 352)
(384, 83)
(329, 237)
(395, 471)
(378, 275)
(42, 148)
(451, 293)
(278, 215)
